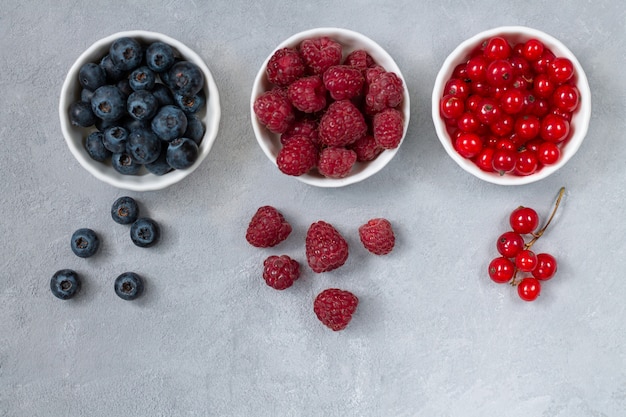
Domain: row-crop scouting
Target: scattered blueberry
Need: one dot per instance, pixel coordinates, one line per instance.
(84, 243)
(94, 144)
(81, 115)
(107, 103)
(142, 78)
(64, 284)
(142, 105)
(185, 77)
(182, 153)
(126, 53)
(160, 166)
(190, 104)
(144, 146)
(159, 56)
(115, 139)
(169, 123)
(124, 164)
(91, 76)
(125, 210)
(144, 232)
(195, 129)
(128, 286)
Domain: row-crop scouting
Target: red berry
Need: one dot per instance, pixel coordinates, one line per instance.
(274, 111)
(284, 67)
(501, 270)
(452, 106)
(527, 163)
(320, 54)
(343, 82)
(566, 97)
(546, 267)
(297, 157)
(325, 248)
(499, 73)
(307, 94)
(548, 153)
(497, 48)
(385, 90)
(527, 127)
(529, 289)
(560, 70)
(554, 128)
(359, 58)
(476, 68)
(524, 220)
(302, 127)
(532, 49)
(512, 101)
(377, 236)
(366, 148)
(468, 145)
(503, 161)
(526, 260)
(543, 86)
(484, 159)
(509, 244)
(488, 111)
(335, 307)
(388, 128)
(267, 228)
(336, 162)
(457, 87)
(280, 272)
(342, 124)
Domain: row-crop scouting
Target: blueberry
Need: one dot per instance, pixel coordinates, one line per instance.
(125, 210)
(107, 103)
(144, 146)
(128, 286)
(169, 123)
(91, 76)
(81, 114)
(142, 105)
(182, 153)
(84, 243)
(159, 56)
(94, 144)
(124, 164)
(124, 86)
(86, 95)
(64, 284)
(115, 139)
(113, 73)
(162, 94)
(131, 124)
(103, 125)
(185, 78)
(142, 78)
(195, 129)
(160, 165)
(126, 53)
(190, 104)
(144, 232)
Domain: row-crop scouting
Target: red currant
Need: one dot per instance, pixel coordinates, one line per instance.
(524, 220)
(452, 106)
(554, 128)
(565, 97)
(468, 122)
(488, 111)
(509, 244)
(532, 49)
(548, 153)
(484, 159)
(468, 145)
(527, 127)
(472, 103)
(560, 70)
(543, 86)
(529, 289)
(512, 101)
(476, 67)
(546, 267)
(457, 87)
(541, 65)
(497, 48)
(520, 66)
(501, 270)
(503, 161)
(526, 260)
(503, 126)
(499, 73)
(527, 163)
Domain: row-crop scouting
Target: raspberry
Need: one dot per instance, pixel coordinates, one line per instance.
(360, 59)
(371, 73)
(284, 67)
(343, 82)
(342, 124)
(267, 228)
(336, 162)
(388, 127)
(325, 248)
(320, 54)
(280, 272)
(274, 110)
(366, 148)
(377, 236)
(384, 90)
(301, 127)
(335, 307)
(297, 157)
(308, 94)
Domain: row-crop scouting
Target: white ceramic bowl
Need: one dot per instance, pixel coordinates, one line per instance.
(350, 41)
(514, 34)
(75, 136)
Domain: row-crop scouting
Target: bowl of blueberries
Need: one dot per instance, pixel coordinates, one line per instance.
(139, 110)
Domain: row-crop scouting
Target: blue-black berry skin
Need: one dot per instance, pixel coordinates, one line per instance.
(159, 56)
(115, 139)
(142, 78)
(91, 76)
(64, 284)
(128, 286)
(124, 164)
(185, 78)
(144, 146)
(108, 103)
(195, 129)
(190, 104)
(81, 114)
(182, 153)
(125, 210)
(113, 73)
(84, 243)
(162, 94)
(126, 53)
(142, 105)
(160, 166)
(94, 144)
(169, 123)
(145, 232)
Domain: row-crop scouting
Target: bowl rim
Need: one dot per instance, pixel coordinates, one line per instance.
(146, 181)
(580, 120)
(379, 54)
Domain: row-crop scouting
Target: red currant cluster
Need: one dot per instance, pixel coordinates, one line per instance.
(517, 256)
(508, 108)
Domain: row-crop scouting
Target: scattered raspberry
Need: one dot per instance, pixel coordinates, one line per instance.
(297, 157)
(274, 110)
(284, 67)
(267, 228)
(336, 162)
(308, 94)
(301, 127)
(342, 124)
(343, 82)
(384, 91)
(280, 272)
(320, 54)
(360, 59)
(366, 148)
(325, 248)
(388, 127)
(335, 307)
(377, 236)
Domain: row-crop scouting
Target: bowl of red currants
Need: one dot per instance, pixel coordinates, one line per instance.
(330, 107)
(511, 105)
(139, 110)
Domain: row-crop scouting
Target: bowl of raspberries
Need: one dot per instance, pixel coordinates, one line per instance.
(139, 110)
(511, 105)
(330, 107)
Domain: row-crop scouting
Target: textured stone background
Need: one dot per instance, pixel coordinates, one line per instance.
(432, 336)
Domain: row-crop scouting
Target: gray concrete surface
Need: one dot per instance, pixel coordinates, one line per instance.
(432, 337)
